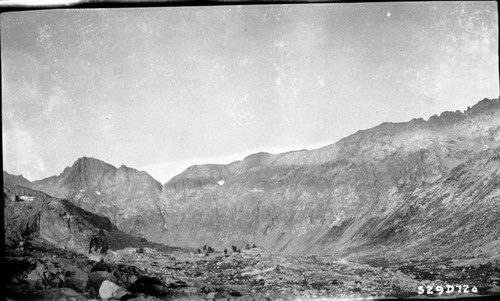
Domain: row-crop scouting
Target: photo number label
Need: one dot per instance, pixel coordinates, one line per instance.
(429, 290)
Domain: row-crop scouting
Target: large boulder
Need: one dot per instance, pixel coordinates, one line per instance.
(109, 290)
(78, 279)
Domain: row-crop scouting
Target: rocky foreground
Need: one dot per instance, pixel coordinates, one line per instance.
(38, 271)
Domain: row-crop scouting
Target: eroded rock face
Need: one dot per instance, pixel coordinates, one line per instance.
(58, 222)
(38, 216)
(342, 198)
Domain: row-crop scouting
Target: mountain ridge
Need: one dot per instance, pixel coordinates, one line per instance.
(317, 156)
(478, 108)
(292, 202)
(302, 193)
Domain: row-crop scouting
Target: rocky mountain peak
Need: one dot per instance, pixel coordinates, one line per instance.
(123, 194)
(91, 163)
(86, 172)
(484, 105)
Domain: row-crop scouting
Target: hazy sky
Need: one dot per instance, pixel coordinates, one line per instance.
(160, 89)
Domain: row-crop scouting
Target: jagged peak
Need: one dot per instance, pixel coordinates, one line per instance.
(482, 106)
(446, 117)
(443, 119)
(90, 160)
(90, 172)
(88, 165)
(123, 167)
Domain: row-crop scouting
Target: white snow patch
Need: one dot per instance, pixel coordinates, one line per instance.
(337, 222)
(82, 190)
(221, 182)
(27, 198)
(98, 192)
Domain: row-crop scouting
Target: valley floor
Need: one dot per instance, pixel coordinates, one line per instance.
(41, 273)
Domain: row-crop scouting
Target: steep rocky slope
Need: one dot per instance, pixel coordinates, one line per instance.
(356, 197)
(341, 198)
(126, 196)
(33, 216)
(455, 216)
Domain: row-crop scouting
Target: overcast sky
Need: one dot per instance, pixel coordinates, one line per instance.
(160, 89)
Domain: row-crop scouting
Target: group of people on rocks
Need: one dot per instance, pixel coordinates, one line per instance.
(208, 249)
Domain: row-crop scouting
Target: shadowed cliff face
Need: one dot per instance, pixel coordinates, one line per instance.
(33, 216)
(353, 197)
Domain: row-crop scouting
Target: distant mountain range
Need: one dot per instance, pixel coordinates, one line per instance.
(421, 188)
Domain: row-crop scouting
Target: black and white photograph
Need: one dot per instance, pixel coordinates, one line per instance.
(251, 152)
